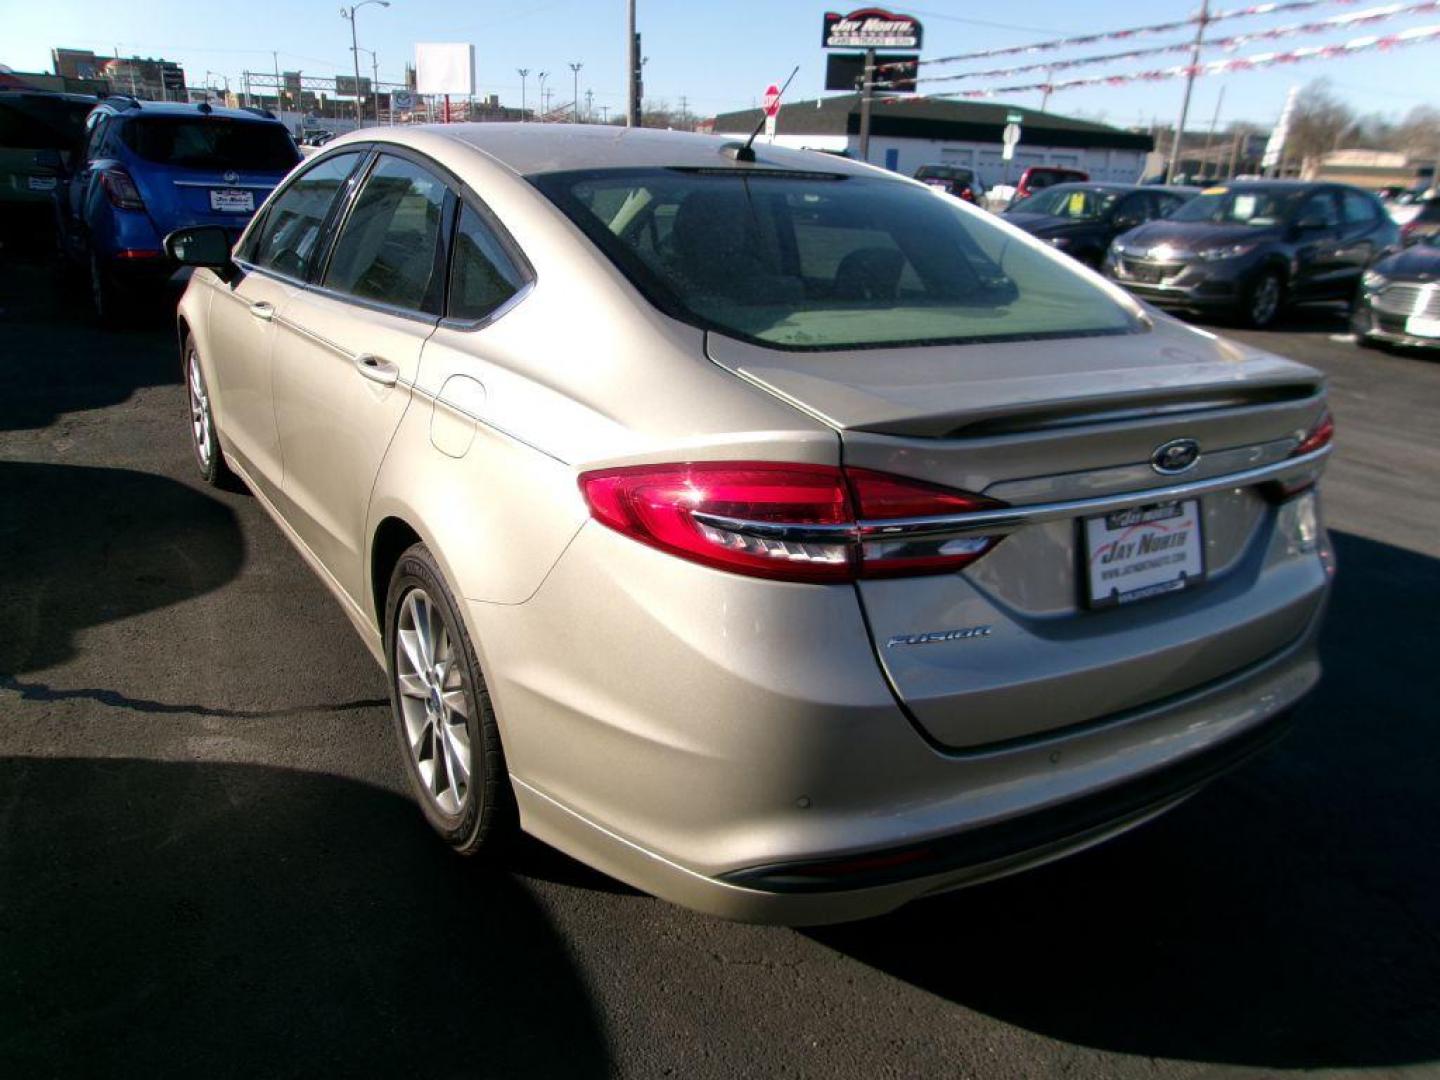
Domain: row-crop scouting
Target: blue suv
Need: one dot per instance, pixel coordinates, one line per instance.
(146, 168)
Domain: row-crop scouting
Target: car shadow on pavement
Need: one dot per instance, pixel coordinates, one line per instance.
(53, 359)
(82, 546)
(164, 918)
(1288, 916)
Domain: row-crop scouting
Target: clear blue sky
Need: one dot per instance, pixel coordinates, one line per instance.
(719, 56)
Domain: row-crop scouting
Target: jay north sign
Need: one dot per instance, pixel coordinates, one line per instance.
(871, 28)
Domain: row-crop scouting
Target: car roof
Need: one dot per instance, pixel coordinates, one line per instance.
(123, 104)
(535, 148)
(11, 92)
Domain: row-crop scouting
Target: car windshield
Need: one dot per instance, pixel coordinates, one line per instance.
(1069, 201)
(41, 122)
(211, 143)
(1257, 206)
(818, 261)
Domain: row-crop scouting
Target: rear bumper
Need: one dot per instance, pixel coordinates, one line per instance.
(700, 735)
(1207, 734)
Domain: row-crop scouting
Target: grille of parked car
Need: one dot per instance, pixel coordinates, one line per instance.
(1408, 300)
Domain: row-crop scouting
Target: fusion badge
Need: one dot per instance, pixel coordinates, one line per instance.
(936, 636)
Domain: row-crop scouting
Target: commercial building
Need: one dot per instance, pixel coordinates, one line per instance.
(142, 77)
(906, 133)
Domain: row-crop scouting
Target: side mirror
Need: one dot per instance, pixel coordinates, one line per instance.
(202, 245)
(49, 159)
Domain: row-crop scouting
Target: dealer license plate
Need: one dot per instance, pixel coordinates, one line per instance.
(232, 200)
(1419, 326)
(1142, 552)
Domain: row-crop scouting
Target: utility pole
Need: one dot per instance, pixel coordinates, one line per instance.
(279, 98)
(1203, 21)
(349, 13)
(575, 99)
(632, 68)
(1210, 135)
(1045, 97)
(1234, 156)
(605, 114)
(867, 90)
(684, 113)
(589, 106)
(522, 72)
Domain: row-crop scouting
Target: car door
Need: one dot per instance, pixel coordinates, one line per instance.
(77, 186)
(275, 259)
(1360, 238)
(1319, 273)
(347, 350)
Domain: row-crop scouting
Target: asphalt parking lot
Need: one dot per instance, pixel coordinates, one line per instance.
(209, 865)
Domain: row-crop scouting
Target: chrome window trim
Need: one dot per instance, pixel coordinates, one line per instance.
(1008, 519)
(223, 184)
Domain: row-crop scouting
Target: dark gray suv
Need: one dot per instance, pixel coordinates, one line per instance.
(1248, 249)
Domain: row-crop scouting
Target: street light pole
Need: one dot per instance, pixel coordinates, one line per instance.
(349, 13)
(575, 101)
(542, 77)
(632, 72)
(523, 72)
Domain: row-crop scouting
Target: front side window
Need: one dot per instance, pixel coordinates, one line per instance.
(482, 274)
(1070, 201)
(1319, 207)
(389, 249)
(1359, 210)
(817, 261)
(288, 240)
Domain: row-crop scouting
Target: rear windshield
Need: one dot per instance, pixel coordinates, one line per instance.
(1260, 207)
(816, 261)
(211, 143)
(37, 122)
(1068, 201)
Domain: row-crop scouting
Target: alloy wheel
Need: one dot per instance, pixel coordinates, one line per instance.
(200, 415)
(1266, 300)
(433, 704)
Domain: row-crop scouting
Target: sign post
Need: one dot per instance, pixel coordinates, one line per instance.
(771, 104)
(869, 29)
(1010, 138)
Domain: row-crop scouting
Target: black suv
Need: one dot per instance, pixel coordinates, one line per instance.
(1082, 219)
(1247, 249)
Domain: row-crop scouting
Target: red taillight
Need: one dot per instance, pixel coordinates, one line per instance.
(120, 189)
(1408, 229)
(1319, 436)
(791, 522)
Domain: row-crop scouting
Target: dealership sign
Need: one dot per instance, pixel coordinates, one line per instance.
(871, 28)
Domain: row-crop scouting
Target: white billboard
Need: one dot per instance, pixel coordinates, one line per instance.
(446, 68)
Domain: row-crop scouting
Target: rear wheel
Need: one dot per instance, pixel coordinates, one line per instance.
(203, 438)
(1263, 299)
(441, 708)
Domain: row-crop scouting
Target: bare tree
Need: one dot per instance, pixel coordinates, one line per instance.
(1320, 123)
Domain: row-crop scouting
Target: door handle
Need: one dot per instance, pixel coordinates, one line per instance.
(377, 370)
(263, 309)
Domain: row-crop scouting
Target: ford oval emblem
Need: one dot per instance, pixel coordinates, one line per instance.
(231, 177)
(1175, 457)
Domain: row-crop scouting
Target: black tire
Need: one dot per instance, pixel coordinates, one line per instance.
(1263, 299)
(105, 298)
(204, 438)
(486, 818)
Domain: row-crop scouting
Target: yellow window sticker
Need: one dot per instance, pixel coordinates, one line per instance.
(1214, 191)
(1077, 204)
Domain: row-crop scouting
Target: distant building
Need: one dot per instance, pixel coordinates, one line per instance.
(908, 133)
(1372, 169)
(145, 78)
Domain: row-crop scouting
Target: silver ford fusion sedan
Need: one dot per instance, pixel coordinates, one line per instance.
(768, 531)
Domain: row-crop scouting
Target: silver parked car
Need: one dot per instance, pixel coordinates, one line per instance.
(778, 536)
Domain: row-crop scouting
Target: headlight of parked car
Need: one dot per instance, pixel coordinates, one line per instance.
(1374, 280)
(1229, 251)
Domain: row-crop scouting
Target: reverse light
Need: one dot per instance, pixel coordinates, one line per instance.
(120, 189)
(789, 522)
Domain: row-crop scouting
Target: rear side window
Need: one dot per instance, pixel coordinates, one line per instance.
(289, 238)
(389, 247)
(1319, 207)
(482, 274)
(216, 142)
